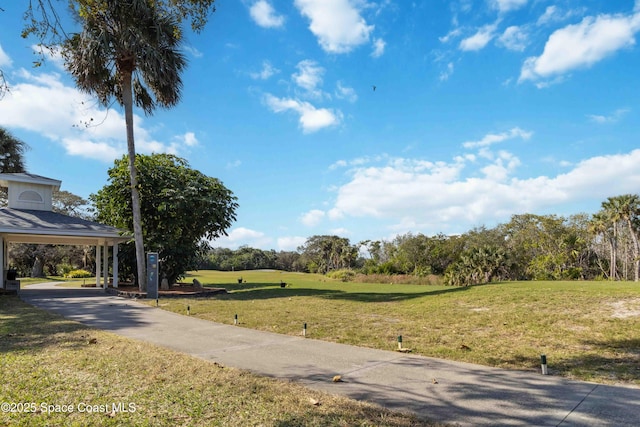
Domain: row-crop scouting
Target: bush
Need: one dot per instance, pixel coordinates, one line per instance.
(64, 269)
(344, 275)
(78, 274)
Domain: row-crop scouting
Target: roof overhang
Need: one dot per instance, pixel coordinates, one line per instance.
(45, 227)
(29, 178)
(60, 239)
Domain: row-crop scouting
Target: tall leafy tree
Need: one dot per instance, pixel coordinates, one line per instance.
(128, 50)
(325, 253)
(182, 209)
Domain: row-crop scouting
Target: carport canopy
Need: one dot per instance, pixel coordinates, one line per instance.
(29, 219)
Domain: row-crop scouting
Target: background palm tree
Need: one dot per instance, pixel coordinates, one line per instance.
(627, 207)
(11, 158)
(128, 50)
(11, 153)
(612, 212)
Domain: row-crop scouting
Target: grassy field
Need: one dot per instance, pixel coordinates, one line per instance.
(587, 330)
(50, 366)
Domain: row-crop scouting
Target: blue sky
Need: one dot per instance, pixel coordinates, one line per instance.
(481, 110)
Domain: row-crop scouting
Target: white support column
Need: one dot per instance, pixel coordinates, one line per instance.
(115, 264)
(98, 264)
(3, 264)
(105, 265)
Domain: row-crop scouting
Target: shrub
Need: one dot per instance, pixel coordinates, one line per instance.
(344, 275)
(64, 269)
(78, 274)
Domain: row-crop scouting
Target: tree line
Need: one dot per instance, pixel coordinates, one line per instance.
(603, 246)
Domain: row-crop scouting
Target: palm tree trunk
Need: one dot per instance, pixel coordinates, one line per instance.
(614, 253)
(127, 101)
(636, 251)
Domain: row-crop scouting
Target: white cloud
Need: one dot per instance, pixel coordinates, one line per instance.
(550, 14)
(444, 75)
(5, 60)
(582, 45)
(450, 35)
(193, 51)
(493, 138)
(337, 24)
(508, 5)
(90, 149)
(338, 164)
(612, 118)
(454, 196)
(311, 118)
(514, 38)
(479, 40)
(188, 139)
(345, 92)
(241, 236)
(266, 72)
(378, 48)
(290, 243)
(265, 15)
(312, 218)
(309, 76)
(41, 103)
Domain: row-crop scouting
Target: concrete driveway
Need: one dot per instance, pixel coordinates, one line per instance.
(434, 389)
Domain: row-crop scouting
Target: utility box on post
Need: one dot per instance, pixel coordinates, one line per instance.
(152, 275)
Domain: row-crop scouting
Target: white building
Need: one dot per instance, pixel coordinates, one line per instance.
(29, 218)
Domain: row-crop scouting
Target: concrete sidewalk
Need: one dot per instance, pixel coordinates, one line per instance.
(462, 393)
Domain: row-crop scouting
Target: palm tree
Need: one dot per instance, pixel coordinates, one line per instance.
(11, 158)
(11, 153)
(599, 225)
(612, 211)
(128, 50)
(628, 209)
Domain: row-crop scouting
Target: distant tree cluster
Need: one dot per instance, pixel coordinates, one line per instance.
(603, 246)
(246, 258)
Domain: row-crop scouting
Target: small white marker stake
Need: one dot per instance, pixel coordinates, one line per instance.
(399, 342)
(235, 319)
(188, 310)
(543, 363)
(304, 330)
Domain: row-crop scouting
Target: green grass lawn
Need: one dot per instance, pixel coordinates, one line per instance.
(50, 365)
(587, 330)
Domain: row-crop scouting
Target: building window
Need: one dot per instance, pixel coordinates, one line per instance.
(30, 196)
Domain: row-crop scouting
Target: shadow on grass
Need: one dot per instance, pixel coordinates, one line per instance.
(261, 291)
(25, 328)
(617, 360)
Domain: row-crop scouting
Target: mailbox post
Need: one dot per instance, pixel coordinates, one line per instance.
(152, 275)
